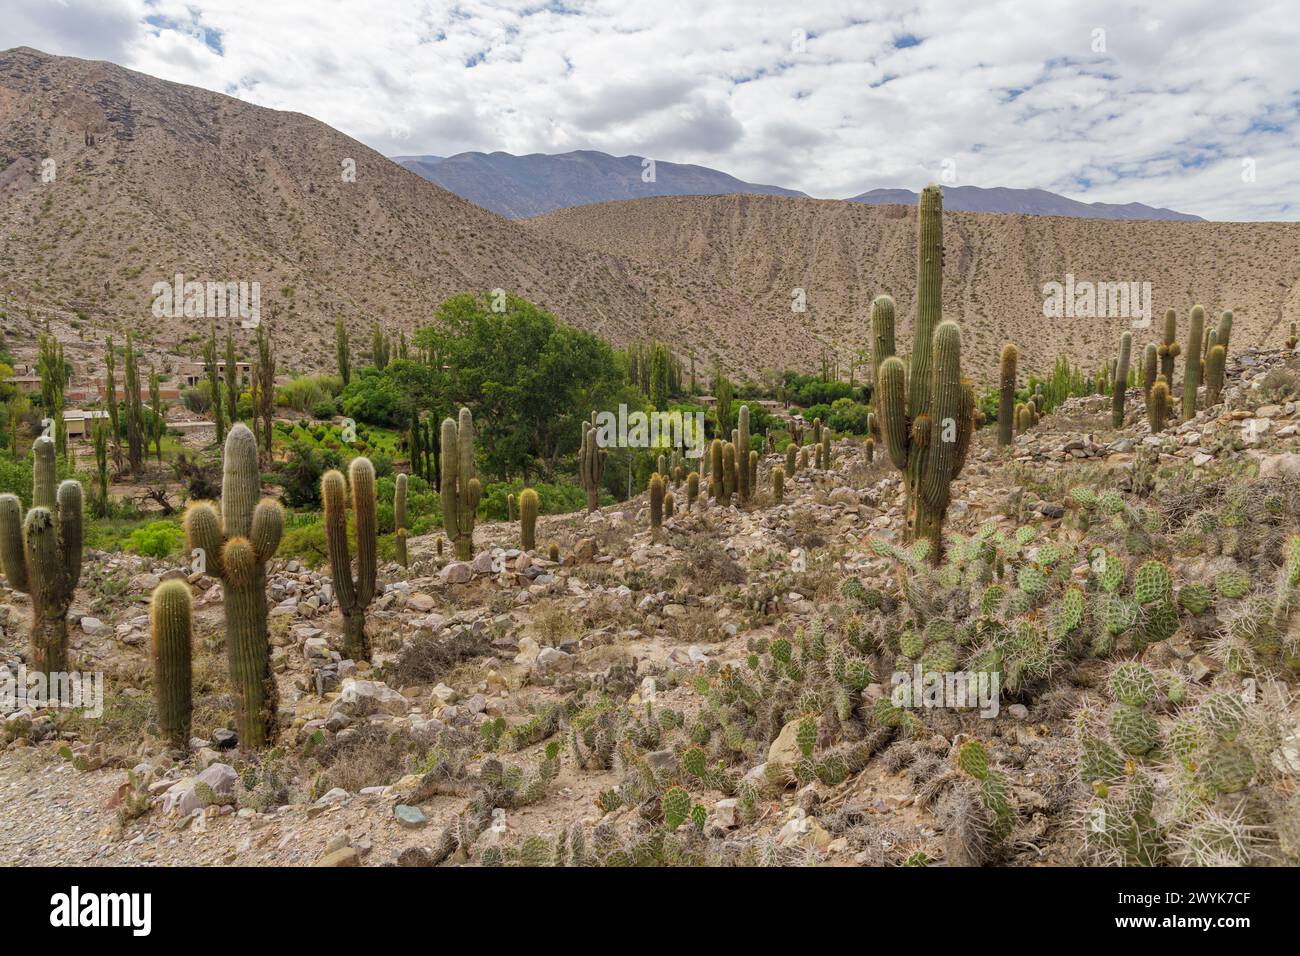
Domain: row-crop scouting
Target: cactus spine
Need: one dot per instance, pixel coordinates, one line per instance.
(459, 495)
(42, 556)
(1007, 393)
(171, 622)
(1121, 380)
(928, 433)
(235, 547)
(656, 489)
(399, 520)
(353, 596)
(1192, 364)
(529, 506)
(591, 464)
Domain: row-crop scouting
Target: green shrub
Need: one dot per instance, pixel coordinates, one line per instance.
(158, 539)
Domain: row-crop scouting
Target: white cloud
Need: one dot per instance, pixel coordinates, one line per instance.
(1015, 93)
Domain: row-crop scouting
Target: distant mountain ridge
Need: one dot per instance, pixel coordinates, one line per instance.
(1025, 202)
(519, 187)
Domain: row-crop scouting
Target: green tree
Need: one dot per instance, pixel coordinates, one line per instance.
(342, 352)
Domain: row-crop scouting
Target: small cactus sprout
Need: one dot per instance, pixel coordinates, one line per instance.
(171, 622)
(1192, 362)
(1121, 380)
(1158, 405)
(510, 505)
(399, 520)
(236, 546)
(553, 553)
(1007, 394)
(354, 596)
(529, 505)
(1291, 340)
(460, 491)
(676, 807)
(591, 463)
(778, 484)
(692, 489)
(656, 489)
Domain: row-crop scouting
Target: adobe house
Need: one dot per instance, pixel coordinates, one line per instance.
(192, 373)
(77, 423)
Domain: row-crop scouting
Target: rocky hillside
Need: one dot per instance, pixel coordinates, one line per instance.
(756, 250)
(151, 178)
(1028, 202)
(721, 690)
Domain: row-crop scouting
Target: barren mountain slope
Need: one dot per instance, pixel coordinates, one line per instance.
(759, 249)
(153, 178)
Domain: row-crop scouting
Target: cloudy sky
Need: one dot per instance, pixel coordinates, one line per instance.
(1189, 105)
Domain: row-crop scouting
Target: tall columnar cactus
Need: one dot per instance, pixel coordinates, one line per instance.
(1121, 380)
(742, 453)
(928, 417)
(591, 464)
(42, 556)
(826, 449)
(692, 489)
(1169, 348)
(670, 504)
(1007, 393)
(529, 506)
(753, 472)
(1215, 360)
(791, 459)
(656, 489)
(1223, 331)
(399, 520)
(460, 492)
(171, 621)
(716, 456)
(1158, 405)
(1150, 369)
(1192, 364)
(354, 595)
(778, 484)
(728, 472)
(235, 546)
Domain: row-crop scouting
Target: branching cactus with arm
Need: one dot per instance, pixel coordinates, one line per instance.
(235, 546)
(461, 490)
(354, 595)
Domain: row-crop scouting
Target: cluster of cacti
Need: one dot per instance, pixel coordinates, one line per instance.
(354, 596)
(1169, 349)
(591, 463)
(400, 532)
(460, 491)
(42, 555)
(235, 546)
(529, 506)
(1121, 380)
(1026, 417)
(1007, 394)
(927, 415)
(1216, 359)
(171, 625)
